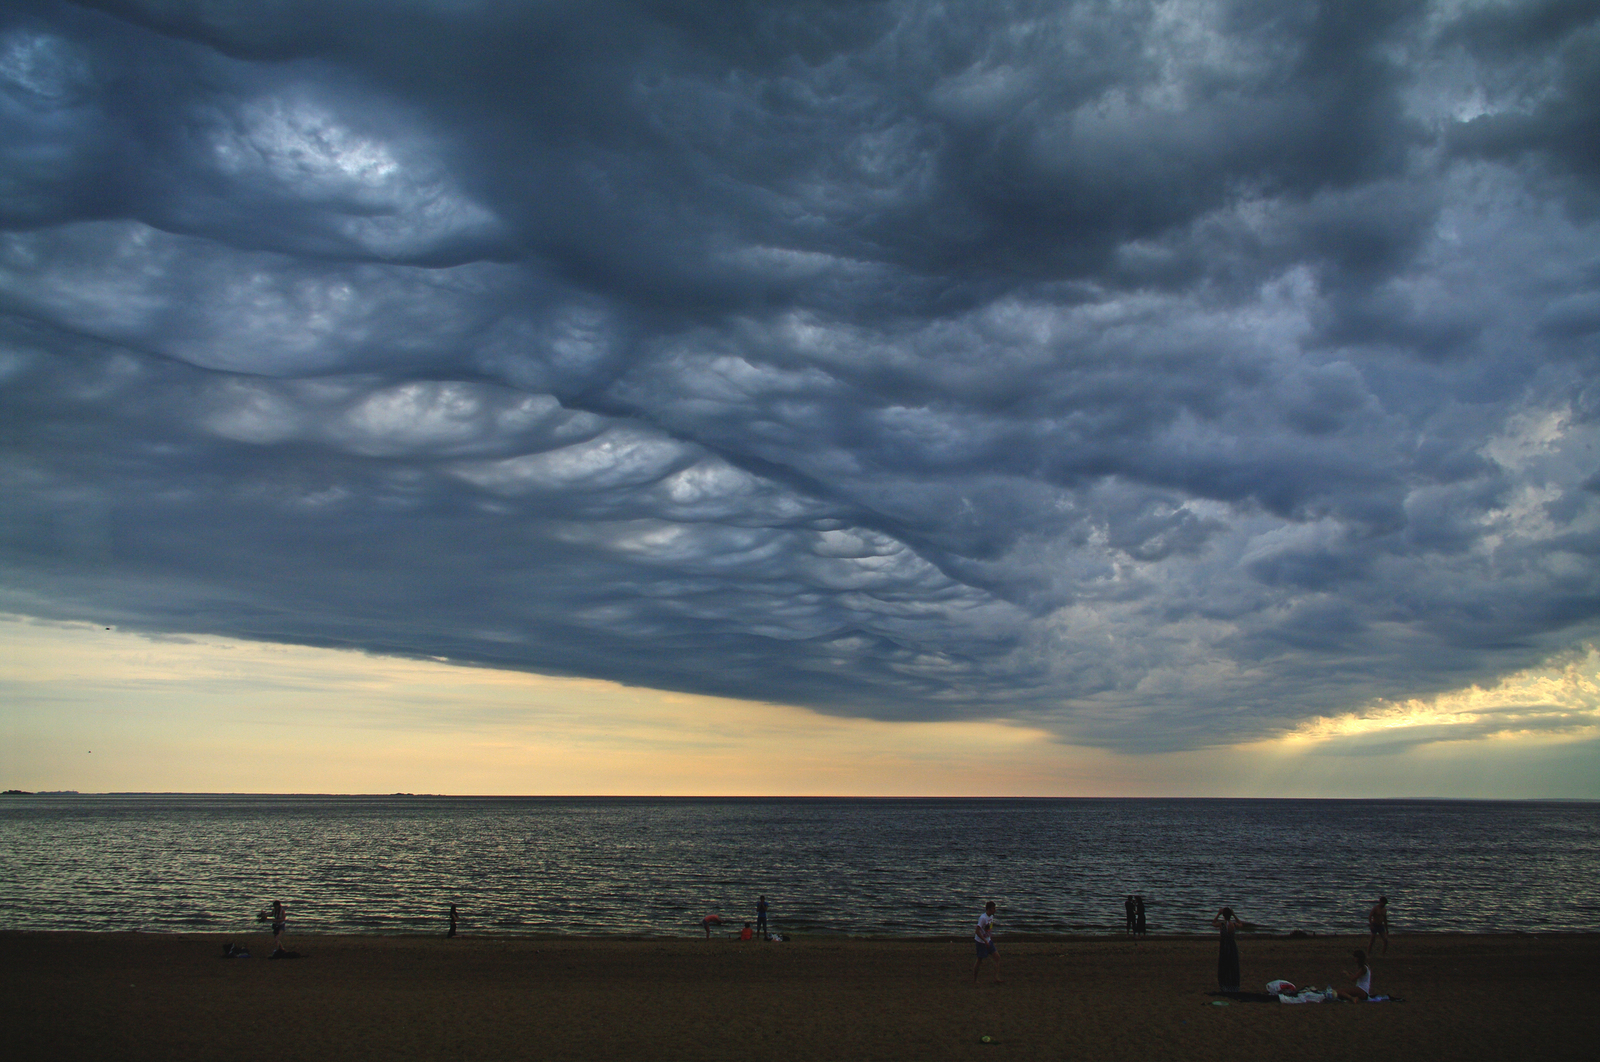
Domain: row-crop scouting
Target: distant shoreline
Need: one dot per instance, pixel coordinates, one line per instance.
(256, 929)
(816, 798)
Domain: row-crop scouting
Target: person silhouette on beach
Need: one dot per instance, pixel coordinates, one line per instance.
(1140, 927)
(1228, 951)
(1127, 913)
(707, 922)
(280, 921)
(1378, 924)
(984, 938)
(452, 921)
(761, 916)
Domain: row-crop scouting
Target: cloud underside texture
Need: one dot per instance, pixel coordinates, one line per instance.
(1160, 374)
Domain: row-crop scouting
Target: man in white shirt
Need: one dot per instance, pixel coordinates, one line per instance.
(984, 938)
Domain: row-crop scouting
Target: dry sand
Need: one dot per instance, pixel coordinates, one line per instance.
(160, 996)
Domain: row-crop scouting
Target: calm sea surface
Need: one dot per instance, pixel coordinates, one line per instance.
(884, 867)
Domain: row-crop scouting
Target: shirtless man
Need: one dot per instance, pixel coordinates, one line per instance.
(1378, 924)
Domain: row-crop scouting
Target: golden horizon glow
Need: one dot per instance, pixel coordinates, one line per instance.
(1562, 698)
(99, 710)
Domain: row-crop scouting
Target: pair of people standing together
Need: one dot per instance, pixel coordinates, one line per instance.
(1133, 909)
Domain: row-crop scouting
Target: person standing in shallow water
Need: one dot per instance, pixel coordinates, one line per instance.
(1378, 924)
(1228, 951)
(984, 938)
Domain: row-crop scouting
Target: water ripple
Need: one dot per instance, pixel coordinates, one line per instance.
(656, 867)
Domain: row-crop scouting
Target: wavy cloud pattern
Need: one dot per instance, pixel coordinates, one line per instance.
(1160, 374)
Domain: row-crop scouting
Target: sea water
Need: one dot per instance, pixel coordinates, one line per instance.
(656, 867)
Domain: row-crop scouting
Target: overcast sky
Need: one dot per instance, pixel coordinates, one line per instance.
(1153, 376)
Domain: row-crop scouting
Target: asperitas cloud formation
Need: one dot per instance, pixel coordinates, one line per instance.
(1158, 374)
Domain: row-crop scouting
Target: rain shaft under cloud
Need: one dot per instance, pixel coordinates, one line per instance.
(1161, 374)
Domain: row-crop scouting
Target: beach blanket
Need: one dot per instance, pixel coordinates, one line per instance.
(1311, 995)
(1318, 995)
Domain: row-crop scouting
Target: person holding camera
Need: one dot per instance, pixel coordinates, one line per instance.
(1228, 952)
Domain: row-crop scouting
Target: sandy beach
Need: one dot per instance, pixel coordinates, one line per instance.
(171, 996)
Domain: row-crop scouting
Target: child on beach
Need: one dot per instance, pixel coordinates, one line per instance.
(984, 938)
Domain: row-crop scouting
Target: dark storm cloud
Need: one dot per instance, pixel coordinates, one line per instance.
(1161, 374)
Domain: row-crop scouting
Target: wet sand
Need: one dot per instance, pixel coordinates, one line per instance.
(161, 996)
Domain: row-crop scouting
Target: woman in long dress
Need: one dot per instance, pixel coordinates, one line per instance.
(1228, 953)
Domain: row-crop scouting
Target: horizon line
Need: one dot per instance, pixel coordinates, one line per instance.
(797, 796)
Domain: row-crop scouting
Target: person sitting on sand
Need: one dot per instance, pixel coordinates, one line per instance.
(747, 933)
(1361, 991)
(1378, 923)
(984, 938)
